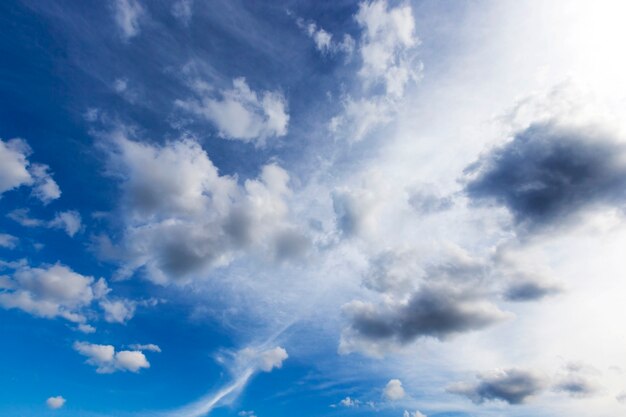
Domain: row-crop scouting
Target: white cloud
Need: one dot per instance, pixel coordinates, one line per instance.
(242, 114)
(394, 390)
(149, 347)
(8, 241)
(70, 220)
(389, 35)
(182, 217)
(55, 403)
(14, 164)
(16, 171)
(107, 360)
(324, 41)
(415, 413)
(50, 291)
(118, 311)
(264, 360)
(128, 14)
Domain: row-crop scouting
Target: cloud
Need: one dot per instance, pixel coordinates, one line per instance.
(513, 386)
(8, 241)
(549, 172)
(128, 14)
(388, 36)
(70, 220)
(243, 364)
(149, 347)
(347, 402)
(530, 290)
(426, 200)
(118, 311)
(181, 217)
(360, 117)
(324, 41)
(51, 291)
(264, 360)
(55, 403)
(576, 386)
(242, 114)
(415, 413)
(394, 390)
(16, 171)
(244, 413)
(107, 360)
(183, 10)
(438, 311)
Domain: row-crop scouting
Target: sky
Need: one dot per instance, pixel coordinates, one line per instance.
(394, 208)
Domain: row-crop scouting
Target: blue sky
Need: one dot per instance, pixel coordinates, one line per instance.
(375, 208)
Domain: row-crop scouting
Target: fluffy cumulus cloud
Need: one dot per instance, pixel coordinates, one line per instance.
(51, 291)
(181, 217)
(16, 171)
(55, 403)
(241, 113)
(550, 172)
(128, 15)
(394, 390)
(107, 360)
(513, 386)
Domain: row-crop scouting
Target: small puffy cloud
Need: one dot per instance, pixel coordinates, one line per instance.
(360, 117)
(50, 291)
(264, 360)
(16, 171)
(394, 390)
(242, 114)
(354, 211)
(550, 172)
(425, 200)
(55, 403)
(513, 386)
(349, 402)
(415, 413)
(14, 164)
(107, 360)
(8, 241)
(118, 311)
(128, 14)
(70, 221)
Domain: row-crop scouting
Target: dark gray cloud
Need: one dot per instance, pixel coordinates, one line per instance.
(547, 173)
(435, 311)
(513, 386)
(530, 290)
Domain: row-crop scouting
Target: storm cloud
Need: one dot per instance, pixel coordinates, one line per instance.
(549, 172)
